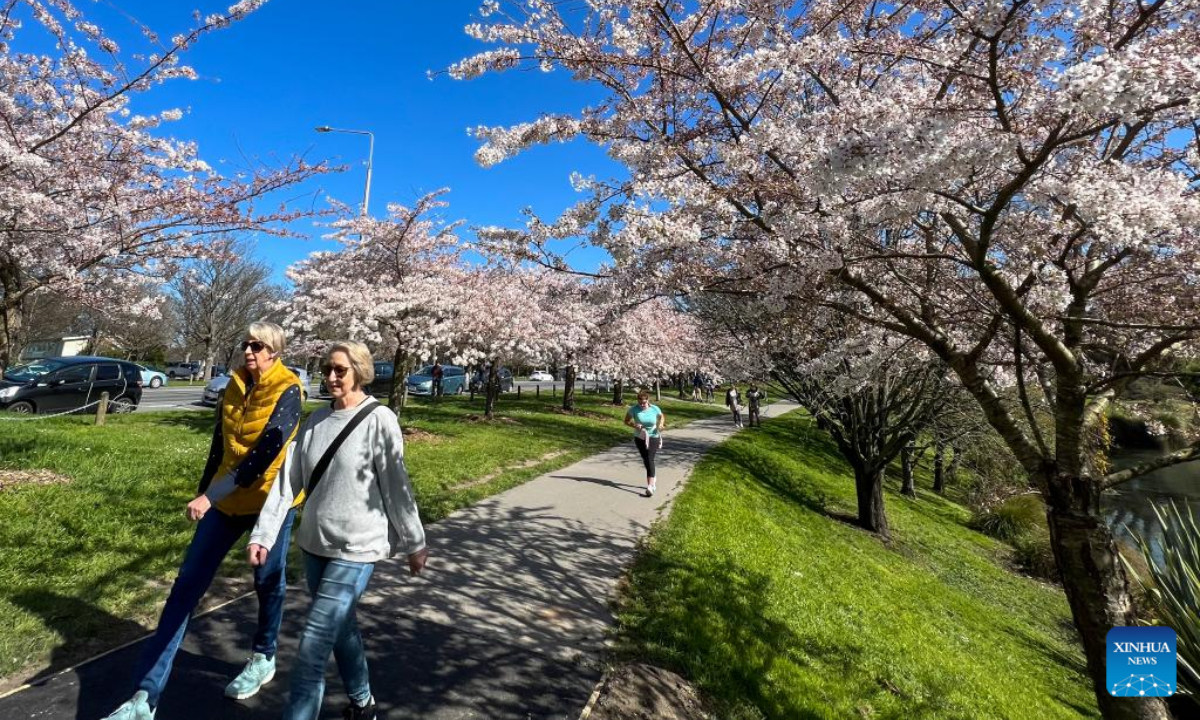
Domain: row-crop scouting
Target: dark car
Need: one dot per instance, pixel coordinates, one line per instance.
(480, 379)
(381, 385)
(454, 381)
(65, 384)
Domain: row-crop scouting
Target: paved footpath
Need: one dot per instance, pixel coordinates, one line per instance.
(509, 622)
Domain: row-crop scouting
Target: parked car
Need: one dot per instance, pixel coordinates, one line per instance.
(215, 389)
(64, 384)
(183, 370)
(151, 377)
(454, 381)
(541, 376)
(480, 379)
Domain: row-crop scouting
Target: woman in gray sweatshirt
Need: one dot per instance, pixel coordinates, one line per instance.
(360, 511)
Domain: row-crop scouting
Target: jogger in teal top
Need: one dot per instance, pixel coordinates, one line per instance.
(647, 422)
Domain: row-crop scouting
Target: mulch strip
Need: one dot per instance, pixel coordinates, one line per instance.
(12, 478)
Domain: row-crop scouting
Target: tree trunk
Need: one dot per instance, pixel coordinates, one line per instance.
(868, 485)
(397, 392)
(10, 327)
(939, 468)
(682, 396)
(1098, 592)
(907, 485)
(657, 392)
(493, 390)
(619, 392)
(568, 402)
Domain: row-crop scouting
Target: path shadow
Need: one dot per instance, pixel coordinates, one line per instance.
(623, 487)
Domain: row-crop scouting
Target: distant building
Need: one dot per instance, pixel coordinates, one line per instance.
(56, 347)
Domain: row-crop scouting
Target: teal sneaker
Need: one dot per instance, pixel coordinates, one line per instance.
(135, 708)
(258, 672)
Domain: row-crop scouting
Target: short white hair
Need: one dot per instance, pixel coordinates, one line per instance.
(269, 333)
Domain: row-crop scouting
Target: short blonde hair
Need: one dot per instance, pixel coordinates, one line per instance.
(360, 360)
(269, 333)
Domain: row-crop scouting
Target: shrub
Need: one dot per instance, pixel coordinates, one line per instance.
(1033, 553)
(1013, 518)
(1174, 587)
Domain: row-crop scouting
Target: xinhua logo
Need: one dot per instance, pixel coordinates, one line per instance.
(1141, 662)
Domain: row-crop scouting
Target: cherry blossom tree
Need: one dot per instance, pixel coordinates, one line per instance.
(96, 201)
(396, 283)
(1010, 183)
(513, 314)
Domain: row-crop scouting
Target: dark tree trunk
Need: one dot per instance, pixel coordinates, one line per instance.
(568, 402)
(907, 485)
(679, 381)
(952, 468)
(493, 390)
(868, 485)
(398, 392)
(939, 468)
(619, 392)
(1097, 591)
(657, 392)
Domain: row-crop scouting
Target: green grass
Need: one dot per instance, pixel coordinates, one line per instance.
(760, 590)
(83, 564)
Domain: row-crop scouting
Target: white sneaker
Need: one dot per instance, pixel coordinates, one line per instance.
(136, 708)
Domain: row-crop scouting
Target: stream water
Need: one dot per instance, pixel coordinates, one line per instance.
(1130, 507)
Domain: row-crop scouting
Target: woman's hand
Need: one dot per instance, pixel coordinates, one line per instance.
(257, 555)
(416, 561)
(196, 508)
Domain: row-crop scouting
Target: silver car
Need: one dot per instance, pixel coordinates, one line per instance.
(215, 389)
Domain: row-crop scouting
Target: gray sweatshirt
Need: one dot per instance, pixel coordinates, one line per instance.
(363, 509)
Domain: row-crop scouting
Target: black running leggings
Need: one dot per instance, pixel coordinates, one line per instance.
(647, 453)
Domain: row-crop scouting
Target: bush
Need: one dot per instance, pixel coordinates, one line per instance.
(1174, 587)
(1020, 521)
(1013, 518)
(1033, 553)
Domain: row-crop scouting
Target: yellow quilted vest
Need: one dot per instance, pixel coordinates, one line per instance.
(243, 419)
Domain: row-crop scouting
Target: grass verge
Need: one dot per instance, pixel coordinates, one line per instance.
(86, 563)
(758, 589)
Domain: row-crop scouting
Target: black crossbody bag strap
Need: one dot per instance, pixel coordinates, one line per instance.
(327, 458)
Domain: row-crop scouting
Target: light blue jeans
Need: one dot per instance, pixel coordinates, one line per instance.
(336, 586)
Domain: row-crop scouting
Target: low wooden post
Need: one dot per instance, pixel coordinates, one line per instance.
(518, 392)
(553, 389)
(102, 408)
(538, 392)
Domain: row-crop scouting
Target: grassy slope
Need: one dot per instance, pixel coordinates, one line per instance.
(83, 563)
(759, 590)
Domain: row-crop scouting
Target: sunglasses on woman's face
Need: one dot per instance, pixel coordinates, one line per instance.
(339, 370)
(254, 345)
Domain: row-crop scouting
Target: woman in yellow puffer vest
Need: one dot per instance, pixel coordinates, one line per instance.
(258, 417)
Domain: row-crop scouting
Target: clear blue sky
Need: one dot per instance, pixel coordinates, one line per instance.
(267, 81)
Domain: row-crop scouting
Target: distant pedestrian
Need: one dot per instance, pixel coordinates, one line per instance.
(647, 422)
(755, 398)
(710, 389)
(348, 464)
(733, 401)
(256, 420)
(697, 386)
(437, 372)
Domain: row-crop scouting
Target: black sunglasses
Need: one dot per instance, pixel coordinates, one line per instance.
(339, 370)
(254, 345)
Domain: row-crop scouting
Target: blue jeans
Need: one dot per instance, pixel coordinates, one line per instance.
(215, 537)
(336, 586)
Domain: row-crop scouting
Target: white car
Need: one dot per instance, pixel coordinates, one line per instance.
(541, 376)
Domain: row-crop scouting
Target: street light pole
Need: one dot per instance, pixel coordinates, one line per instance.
(370, 158)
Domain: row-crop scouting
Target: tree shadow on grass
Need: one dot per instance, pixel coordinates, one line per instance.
(710, 622)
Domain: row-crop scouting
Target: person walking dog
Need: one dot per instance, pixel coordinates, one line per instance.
(347, 465)
(647, 422)
(256, 420)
